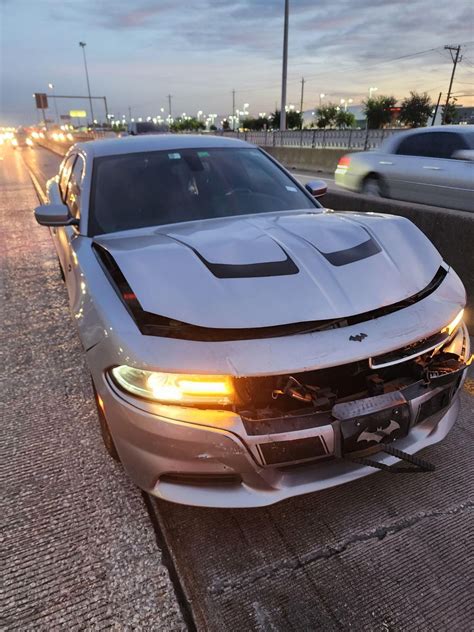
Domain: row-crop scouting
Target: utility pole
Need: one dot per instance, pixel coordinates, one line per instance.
(83, 46)
(455, 60)
(51, 87)
(284, 69)
(233, 110)
(436, 109)
(169, 105)
(301, 102)
(129, 113)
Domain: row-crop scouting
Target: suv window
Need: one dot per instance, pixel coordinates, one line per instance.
(73, 195)
(64, 175)
(431, 144)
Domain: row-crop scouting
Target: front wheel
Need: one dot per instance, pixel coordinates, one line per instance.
(372, 186)
(104, 427)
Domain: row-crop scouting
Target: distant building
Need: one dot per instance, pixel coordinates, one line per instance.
(465, 115)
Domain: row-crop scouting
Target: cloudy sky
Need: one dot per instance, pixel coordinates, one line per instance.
(199, 50)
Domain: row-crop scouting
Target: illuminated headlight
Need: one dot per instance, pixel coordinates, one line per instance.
(15, 142)
(29, 142)
(454, 324)
(175, 388)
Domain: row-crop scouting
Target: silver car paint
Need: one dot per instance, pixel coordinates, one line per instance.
(153, 438)
(436, 181)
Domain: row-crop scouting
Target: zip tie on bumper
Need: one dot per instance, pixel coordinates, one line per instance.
(420, 465)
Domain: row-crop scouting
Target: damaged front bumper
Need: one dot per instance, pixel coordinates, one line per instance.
(224, 459)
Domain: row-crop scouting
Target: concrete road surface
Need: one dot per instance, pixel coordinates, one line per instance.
(388, 553)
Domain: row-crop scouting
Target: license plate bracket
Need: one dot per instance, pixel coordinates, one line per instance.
(374, 429)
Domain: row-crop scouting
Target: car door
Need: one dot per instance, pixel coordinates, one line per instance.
(424, 170)
(69, 235)
(448, 181)
(58, 233)
(406, 178)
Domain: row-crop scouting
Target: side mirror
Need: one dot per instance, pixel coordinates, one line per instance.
(317, 188)
(54, 215)
(463, 154)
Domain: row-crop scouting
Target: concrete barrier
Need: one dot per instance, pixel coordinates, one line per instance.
(307, 158)
(451, 231)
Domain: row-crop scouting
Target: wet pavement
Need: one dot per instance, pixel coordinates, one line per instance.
(390, 552)
(79, 551)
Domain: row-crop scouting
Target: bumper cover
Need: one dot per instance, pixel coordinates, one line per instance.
(207, 466)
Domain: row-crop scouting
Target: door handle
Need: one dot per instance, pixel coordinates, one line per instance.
(385, 162)
(431, 168)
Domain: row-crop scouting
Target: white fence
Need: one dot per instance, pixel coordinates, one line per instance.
(318, 138)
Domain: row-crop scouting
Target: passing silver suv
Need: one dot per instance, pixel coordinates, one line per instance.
(433, 165)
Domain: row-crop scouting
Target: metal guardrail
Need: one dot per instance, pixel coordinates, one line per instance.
(318, 138)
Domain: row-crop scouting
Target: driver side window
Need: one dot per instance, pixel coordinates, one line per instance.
(73, 192)
(64, 176)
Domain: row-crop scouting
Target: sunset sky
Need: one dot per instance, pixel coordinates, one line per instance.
(198, 51)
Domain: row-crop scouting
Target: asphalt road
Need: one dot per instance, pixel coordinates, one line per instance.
(389, 552)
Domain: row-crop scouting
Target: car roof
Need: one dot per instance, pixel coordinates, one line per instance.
(460, 129)
(155, 142)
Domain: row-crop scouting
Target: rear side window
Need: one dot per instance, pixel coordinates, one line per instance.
(431, 144)
(65, 175)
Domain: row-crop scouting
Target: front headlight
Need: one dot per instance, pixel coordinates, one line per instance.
(454, 324)
(175, 388)
(29, 142)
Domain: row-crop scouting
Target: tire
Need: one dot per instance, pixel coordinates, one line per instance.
(373, 186)
(104, 429)
(61, 272)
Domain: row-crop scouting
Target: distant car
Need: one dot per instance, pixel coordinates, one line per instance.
(21, 139)
(433, 165)
(245, 344)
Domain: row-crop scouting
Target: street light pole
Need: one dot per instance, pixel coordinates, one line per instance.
(51, 87)
(83, 46)
(284, 69)
(301, 101)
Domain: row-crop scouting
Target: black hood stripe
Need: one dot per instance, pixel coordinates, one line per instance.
(351, 255)
(285, 267)
(161, 326)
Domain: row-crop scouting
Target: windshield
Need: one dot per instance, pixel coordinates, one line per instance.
(163, 187)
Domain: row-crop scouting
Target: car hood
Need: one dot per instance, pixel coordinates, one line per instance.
(274, 269)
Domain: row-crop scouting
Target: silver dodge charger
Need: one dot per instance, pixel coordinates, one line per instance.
(245, 344)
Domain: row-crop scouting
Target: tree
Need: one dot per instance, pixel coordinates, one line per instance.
(255, 124)
(326, 116)
(451, 115)
(377, 111)
(344, 119)
(187, 124)
(416, 110)
(294, 119)
(225, 125)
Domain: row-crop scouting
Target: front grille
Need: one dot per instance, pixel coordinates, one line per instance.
(410, 351)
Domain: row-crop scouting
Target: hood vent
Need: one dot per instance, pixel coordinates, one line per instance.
(154, 325)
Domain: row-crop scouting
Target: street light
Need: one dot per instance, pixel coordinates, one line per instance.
(321, 96)
(373, 89)
(83, 46)
(284, 67)
(346, 102)
(51, 87)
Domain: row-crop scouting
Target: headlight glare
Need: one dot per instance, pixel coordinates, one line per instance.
(454, 324)
(175, 388)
